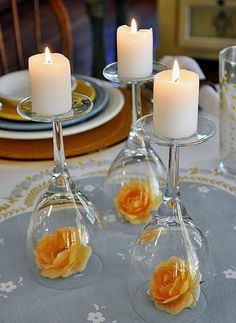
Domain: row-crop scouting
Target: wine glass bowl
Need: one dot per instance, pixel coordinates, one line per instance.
(132, 189)
(61, 223)
(178, 253)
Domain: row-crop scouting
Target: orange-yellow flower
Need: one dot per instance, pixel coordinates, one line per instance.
(173, 286)
(149, 235)
(135, 200)
(61, 253)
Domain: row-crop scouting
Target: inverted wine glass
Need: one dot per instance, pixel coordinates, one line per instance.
(136, 172)
(65, 237)
(171, 270)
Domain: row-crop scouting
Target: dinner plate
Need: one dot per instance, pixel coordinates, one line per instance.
(14, 86)
(9, 110)
(100, 102)
(114, 106)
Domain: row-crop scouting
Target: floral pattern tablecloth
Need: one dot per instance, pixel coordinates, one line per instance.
(24, 300)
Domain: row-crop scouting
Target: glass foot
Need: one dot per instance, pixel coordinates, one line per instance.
(81, 104)
(145, 129)
(110, 72)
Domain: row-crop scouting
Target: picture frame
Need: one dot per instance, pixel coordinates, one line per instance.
(216, 30)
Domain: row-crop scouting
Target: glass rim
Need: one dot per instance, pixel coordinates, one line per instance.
(223, 52)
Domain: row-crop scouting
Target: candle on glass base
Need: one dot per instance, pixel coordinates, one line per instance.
(134, 51)
(175, 109)
(50, 83)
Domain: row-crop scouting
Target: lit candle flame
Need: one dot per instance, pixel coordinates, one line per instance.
(175, 72)
(48, 58)
(133, 26)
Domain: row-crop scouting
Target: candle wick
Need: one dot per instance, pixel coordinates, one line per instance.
(48, 59)
(176, 80)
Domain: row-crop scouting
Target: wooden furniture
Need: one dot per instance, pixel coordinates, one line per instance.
(97, 11)
(197, 28)
(17, 42)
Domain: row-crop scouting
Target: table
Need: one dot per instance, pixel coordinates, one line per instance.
(209, 196)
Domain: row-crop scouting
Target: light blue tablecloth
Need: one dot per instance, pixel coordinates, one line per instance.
(24, 300)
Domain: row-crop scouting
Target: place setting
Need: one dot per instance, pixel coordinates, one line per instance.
(10, 120)
(108, 102)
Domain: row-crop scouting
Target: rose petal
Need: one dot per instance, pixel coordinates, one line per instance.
(176, 306)
(196, 294)
(83, 256)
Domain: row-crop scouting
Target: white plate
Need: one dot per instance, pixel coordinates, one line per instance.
(116, 102)
(14, 86)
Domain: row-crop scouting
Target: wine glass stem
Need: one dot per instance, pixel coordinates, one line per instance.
(172, 186)
(133, 140)
(136, 103)
(58, 148)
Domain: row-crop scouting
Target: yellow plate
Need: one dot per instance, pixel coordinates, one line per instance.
(9, 110)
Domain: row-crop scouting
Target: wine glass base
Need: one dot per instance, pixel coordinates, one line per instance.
(78, 280)
(81, 104)
(145, 129)
(145, 308)
(111, 73)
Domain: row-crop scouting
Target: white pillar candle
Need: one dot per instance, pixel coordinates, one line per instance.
(175, 110)
(134, 51)
(50, 83)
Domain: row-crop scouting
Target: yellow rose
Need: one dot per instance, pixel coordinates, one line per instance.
(150, 234)
(174, 287)
(135, 200)
(61, 254)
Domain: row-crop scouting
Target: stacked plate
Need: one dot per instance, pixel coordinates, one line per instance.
(108, 102)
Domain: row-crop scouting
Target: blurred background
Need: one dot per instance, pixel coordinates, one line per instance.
(85, 30)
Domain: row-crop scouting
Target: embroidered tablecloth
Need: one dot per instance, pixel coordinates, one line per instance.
(24, 300)
(208, 195)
